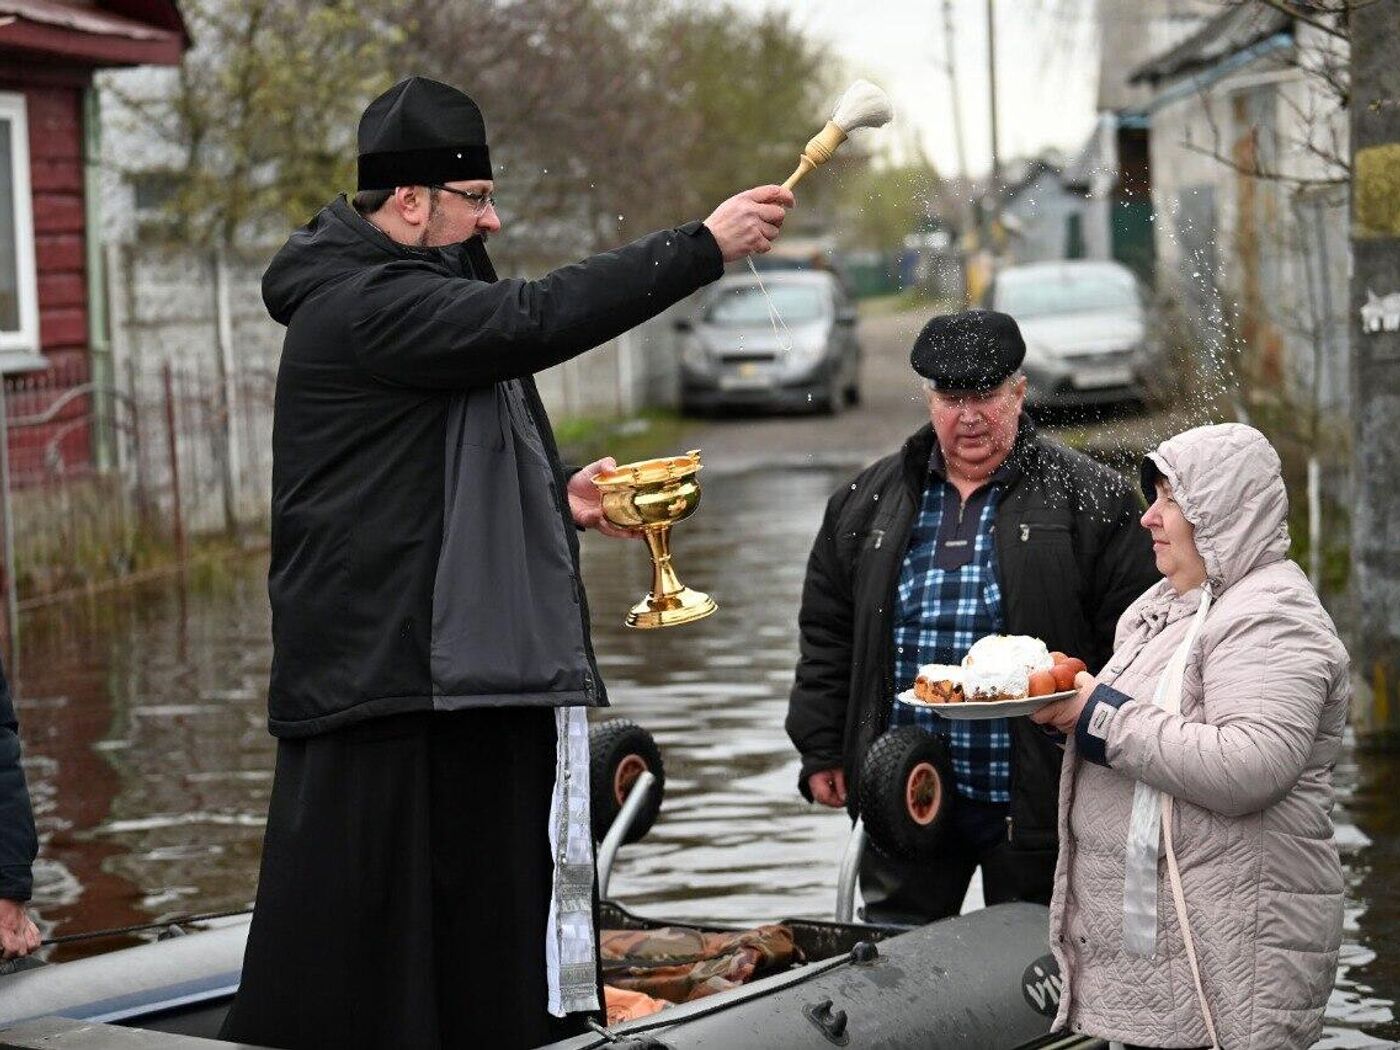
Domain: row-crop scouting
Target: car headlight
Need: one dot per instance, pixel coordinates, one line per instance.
(803, 354)
(694, 355)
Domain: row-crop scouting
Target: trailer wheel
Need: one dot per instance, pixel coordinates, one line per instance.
(906, 787)
(619, 750)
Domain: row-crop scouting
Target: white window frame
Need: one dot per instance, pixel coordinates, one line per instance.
(20, 351)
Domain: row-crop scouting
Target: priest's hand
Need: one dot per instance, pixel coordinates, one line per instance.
(748, 223)
(586, 502)
(18, 934)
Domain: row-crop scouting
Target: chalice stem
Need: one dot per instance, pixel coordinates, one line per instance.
(664, 581)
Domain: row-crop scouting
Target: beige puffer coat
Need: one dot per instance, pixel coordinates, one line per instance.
(1249, 763)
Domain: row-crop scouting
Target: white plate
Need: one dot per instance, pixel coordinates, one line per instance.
(973, 710)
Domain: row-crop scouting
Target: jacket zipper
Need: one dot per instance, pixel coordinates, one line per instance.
(534, 409)
(891, 593)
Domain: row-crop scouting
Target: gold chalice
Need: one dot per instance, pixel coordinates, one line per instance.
(653, 495)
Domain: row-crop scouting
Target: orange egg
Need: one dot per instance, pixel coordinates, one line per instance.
(1042, 684)
(1058, 657)
(1064, 672)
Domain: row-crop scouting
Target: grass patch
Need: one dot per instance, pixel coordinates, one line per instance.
(647, 435)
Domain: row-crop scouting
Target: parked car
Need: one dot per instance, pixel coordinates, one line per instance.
(731, 356)
(1087, 331)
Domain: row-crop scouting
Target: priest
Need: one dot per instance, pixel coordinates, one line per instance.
(427, 871)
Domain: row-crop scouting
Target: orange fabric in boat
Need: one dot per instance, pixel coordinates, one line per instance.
(679, 964)
(628, 1006)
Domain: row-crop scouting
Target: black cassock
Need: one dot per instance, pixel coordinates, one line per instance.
(405, 888)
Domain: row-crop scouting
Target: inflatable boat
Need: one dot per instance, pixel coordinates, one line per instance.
(981, 981)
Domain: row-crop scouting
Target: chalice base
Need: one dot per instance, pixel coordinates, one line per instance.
(671, 610)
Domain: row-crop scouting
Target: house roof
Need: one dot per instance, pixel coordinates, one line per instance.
(1023, 176)
(1234, 30)
(109, 33)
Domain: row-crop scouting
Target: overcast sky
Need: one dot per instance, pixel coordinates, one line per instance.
(1047, 57)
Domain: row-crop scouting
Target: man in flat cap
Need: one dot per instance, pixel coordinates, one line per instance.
(427, 876)
(979, 525)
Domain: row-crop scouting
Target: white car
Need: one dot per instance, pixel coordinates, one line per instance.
(1086, 327)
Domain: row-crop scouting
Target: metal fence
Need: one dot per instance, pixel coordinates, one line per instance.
(106, 477)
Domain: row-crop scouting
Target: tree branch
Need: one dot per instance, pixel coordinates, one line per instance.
(1292, 12)
(1257, 171)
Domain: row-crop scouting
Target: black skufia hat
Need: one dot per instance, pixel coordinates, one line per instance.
(973, 350)
(422, 133)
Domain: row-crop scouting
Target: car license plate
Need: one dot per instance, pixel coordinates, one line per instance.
(747, 376)
(1098, 378)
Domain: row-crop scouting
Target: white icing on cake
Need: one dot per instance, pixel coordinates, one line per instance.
(1001, 665)
(1006, 683)
(1006, 651)
(941, 673)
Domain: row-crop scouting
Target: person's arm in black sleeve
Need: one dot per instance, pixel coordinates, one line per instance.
(423, 329)
(1124, 570)
(18, 842)
(816, 719)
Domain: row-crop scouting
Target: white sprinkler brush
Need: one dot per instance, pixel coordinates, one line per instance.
(862, 106)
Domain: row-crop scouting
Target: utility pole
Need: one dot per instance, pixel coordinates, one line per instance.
(1375, 365)
(949, 61)
(992, 85)
(994, 181)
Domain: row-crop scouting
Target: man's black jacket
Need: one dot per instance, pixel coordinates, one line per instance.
(423, 553)
(1071, 557)
(18, 843)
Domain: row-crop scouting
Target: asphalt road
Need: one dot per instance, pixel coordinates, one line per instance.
(891, 409)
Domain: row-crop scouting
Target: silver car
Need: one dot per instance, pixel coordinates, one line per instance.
(1086, 329)
(731, 357)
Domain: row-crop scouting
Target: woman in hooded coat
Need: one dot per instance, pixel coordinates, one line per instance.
(1198, 894)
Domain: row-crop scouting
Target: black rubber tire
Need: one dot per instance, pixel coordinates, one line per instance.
(906, 792)
(833, 401)
(615, 749)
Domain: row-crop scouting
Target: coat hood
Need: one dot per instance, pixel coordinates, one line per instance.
(1228, 481)
(337, 242)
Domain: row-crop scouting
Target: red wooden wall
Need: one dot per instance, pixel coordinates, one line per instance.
(54, 104)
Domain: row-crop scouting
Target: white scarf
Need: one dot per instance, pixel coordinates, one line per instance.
(1150, 821)
(570, 941)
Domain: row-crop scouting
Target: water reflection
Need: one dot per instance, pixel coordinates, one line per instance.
(143, 715)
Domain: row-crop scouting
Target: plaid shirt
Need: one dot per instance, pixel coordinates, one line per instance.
(940, 614)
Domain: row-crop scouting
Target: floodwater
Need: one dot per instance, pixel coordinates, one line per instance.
(143, 718)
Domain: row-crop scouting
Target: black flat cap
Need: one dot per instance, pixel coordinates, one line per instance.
(422, 133)
(972, 350)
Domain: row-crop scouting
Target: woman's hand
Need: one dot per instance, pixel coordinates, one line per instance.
(1064, 714)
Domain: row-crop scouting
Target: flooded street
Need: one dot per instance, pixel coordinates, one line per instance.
(143, 714)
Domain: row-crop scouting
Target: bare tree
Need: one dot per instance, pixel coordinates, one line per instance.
(608, 118)
(1304, 145)
(263, 112)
